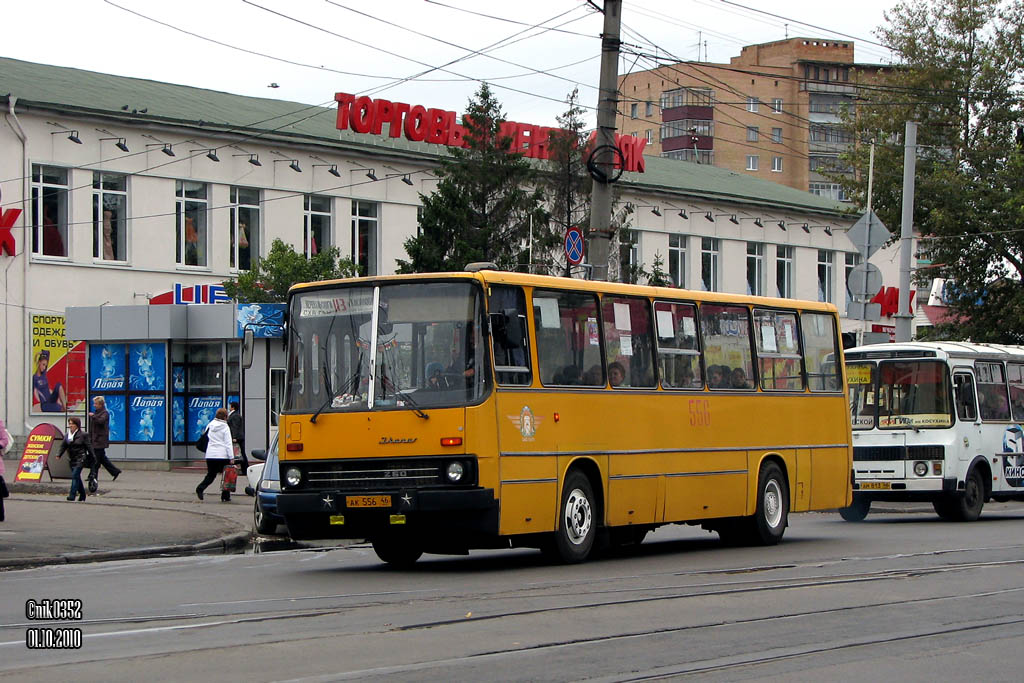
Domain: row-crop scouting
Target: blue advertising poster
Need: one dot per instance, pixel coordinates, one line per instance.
(115, 406)
(178, 378)
(178, 419)
(265, 320)
(106, 367)
(147, 367)
(201, 410)
(146, 418)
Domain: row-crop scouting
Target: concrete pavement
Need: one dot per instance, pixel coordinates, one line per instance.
(141, 514)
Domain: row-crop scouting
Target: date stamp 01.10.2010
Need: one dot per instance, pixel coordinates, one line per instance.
(53, 637)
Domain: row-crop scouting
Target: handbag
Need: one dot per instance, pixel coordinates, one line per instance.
(203, 441)
(229, 478)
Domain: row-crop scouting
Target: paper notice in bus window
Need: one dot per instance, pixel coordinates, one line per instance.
(626, 345)
(592, 333)
(858, 374)
(689, 327)
(665, 328)
(790, 346)
(768, 339)
(548, 312)
(622, 317)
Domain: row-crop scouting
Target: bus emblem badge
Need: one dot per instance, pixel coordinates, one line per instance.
(527, 423)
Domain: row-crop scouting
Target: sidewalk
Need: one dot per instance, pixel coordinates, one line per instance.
(141, 514)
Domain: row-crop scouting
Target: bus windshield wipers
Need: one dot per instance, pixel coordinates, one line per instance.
(351, 382)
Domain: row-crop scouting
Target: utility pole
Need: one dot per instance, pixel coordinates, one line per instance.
(604, 158)
(904, 317)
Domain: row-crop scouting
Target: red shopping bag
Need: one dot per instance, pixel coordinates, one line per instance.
(229, 478)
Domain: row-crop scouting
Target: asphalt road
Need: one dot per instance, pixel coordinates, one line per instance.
(900, 596)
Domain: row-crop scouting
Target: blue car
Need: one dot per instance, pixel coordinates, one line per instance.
(268, 485)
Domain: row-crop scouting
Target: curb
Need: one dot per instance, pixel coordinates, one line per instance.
(222, 543)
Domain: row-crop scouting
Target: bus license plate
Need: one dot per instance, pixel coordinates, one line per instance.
(368, 501)
(876, 486)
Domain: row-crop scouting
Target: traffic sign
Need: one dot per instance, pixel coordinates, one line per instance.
(868, 241)
(574, 245)
(864, 281)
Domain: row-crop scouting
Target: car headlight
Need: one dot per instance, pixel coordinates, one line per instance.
(920, 468)
(293, 476)
(455, 471)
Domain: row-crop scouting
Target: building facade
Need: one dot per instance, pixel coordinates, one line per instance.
(771, 113)
(119, 193)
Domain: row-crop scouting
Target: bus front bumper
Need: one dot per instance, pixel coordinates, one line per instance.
(924, 488)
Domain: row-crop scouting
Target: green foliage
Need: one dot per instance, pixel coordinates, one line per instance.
(271, 276)
(482, 207)
(656, 276)
(961, 63)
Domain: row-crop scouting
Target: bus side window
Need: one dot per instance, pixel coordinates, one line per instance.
(992, 400)
(509, 338)
(568, 337)
(628, 341)
(963, 386)
(1015, 375)
(727, 352)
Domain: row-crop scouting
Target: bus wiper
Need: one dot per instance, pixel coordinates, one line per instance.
(351, 382)
(415, 406)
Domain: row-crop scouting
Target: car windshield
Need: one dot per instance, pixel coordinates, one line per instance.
(900, 394)
(426, 349)
(270, 467)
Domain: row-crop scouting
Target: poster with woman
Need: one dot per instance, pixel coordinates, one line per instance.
(58, 368)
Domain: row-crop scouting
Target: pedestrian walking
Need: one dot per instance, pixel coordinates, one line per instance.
(5, 447)
(218, 452)
(99, 430)
(237, 425)
(76, 445)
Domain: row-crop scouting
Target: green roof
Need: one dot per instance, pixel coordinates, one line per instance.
(138, 101)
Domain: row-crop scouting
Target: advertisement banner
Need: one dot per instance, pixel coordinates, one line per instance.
(201, 410)
(178, 419)
(43, 442)
(106, 367)
(147, 418)
(58, 368)
(265, 320)
(148, 367)
(116, 408)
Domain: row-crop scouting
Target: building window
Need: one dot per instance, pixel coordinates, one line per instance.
(777, 164)
(245, 227)
(831, 134)
(752, 104)
(752, 134)
(825, 265)
(784, 271)
(755, 268)
(709, 251)
(697, 97)
(648, 134)
(190, 212)
(109, 216)
(777, 105)
(49, 210)
(632, 110)
(830, 190)
(675, 129)
(629, 255)
(316, 224)
(776, 135)
(700, 156)
(365, 235)
(752, 162)
(852, 261)
(677, 260)
(650, 109)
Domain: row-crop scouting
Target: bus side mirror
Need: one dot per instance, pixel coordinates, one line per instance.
(247, 347)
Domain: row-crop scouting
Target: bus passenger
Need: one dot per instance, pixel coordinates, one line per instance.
(716, 377)
(592, 377)
(616, 373)
(570, 375)
(739, 379)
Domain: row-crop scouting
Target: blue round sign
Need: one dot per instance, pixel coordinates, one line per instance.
(574, 245)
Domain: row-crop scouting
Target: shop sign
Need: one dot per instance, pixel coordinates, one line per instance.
(265, 320)
(43, 441)
(193, 294)
(438, 127)
(7, 220)
(889, 299)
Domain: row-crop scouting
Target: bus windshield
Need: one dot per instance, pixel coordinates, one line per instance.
(386, 347)
(900, 394)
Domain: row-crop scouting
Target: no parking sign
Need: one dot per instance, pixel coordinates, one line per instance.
(574, 245)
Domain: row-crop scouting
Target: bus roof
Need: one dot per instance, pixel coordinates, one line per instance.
(549, 281)
(937, 349)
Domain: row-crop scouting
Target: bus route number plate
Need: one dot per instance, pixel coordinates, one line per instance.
(876, 486)
(368, 501)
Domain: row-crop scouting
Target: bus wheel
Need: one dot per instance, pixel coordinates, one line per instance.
(397, 550)
(967, 506)
(772, 516)
(577, 527)
(858, 509)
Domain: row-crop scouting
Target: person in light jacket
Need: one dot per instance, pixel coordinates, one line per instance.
(218, 453)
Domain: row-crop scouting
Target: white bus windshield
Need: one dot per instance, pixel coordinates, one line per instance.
(900, 394)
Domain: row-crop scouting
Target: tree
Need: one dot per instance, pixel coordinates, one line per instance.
(269, 279)
(482, 207)
(961, 61)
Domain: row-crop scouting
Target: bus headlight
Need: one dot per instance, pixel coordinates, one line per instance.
(920, 468)
(293, 476)
(455, 471)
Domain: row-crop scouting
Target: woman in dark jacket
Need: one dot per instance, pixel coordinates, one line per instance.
(99, 429)
(76, 444)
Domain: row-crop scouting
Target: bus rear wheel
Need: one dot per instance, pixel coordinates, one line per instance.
(857, 510)
(397, 550)
(577, 523)
(769, 522)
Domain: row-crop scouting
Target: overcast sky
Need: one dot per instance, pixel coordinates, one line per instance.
(414, 51)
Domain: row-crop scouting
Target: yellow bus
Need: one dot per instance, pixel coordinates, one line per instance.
(485, 409)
